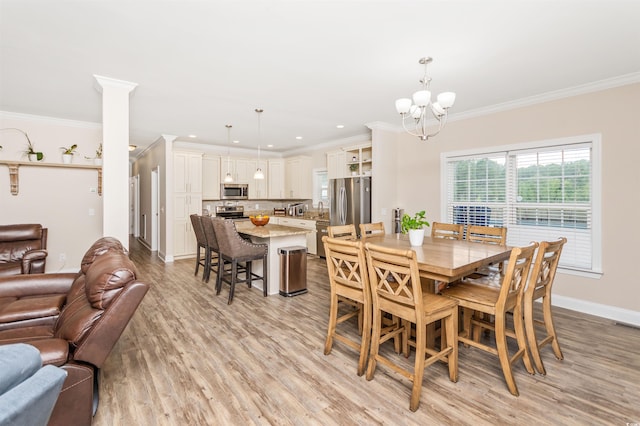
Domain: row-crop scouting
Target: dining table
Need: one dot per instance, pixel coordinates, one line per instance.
(445, 260)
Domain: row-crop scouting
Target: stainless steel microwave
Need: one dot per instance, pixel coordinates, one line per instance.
(234, 191)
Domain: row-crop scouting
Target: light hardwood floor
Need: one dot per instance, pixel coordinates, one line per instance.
(188, 358)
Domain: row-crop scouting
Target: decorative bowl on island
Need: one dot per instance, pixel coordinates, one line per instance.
(259, 220)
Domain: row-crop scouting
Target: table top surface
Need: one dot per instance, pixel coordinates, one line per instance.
(444, 259)
(269, 230)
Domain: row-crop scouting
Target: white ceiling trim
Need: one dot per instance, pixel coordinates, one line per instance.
(50, 120)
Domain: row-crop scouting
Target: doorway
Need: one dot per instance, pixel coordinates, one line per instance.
(155, 208)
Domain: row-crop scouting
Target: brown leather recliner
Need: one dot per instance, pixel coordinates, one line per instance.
(99, 302)
(22, 249)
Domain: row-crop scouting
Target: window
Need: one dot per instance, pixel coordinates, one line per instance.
(320, 187)
(539, 191)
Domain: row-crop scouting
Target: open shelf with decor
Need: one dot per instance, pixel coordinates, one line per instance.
(14, 175)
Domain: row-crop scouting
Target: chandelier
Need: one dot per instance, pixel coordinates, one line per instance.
(228, 178)
(259, 174)
(421, 109)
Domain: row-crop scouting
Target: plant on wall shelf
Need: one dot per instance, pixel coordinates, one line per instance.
(30, 151)
(353, 167)
(69, 151)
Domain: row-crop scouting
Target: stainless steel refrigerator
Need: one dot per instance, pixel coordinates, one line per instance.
(350, 201)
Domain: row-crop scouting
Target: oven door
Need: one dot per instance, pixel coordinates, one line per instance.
(234, 191)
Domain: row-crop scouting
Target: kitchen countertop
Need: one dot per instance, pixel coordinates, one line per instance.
(269, 230)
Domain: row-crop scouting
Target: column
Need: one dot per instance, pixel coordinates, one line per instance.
(115, 150)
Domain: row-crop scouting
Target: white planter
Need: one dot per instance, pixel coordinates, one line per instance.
(416, 237)
(97, 161)
(67, 158)
(33, 157)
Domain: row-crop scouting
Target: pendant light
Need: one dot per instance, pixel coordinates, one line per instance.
(228, 178)
(259, 174)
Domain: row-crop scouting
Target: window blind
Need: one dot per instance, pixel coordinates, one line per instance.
(538, 193)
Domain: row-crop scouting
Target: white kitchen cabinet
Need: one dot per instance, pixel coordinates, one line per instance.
(244, 170)
(305, 224)
(336, 164)
(187, 172)
(211, 178)
(276, 179)
(187, 200)
(298, 177)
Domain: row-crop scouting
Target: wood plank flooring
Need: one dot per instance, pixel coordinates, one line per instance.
(188, 358)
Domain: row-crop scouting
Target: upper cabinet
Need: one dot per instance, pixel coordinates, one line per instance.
(187, 172)
(211, 177)
(298, 177)
(351, 161)
(276, 178)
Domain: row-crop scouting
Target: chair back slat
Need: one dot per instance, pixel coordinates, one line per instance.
(487, 234)
(451, 231)
(344, 232)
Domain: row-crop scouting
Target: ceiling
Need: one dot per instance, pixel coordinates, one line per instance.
(311, 65)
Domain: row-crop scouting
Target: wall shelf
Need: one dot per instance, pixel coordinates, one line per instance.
(14, 166)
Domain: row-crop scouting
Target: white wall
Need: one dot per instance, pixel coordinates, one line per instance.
(612, 113)
(58, 198)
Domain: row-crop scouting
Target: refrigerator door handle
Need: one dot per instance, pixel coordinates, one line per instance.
(343, 206)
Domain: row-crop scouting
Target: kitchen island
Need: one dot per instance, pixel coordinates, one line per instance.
(275, 237)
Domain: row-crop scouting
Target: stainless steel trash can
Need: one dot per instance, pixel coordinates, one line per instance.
(293, 270)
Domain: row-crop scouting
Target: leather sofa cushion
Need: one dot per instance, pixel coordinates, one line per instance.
(103, 281)
(99, 248)
(20, 309)
(10, 268)
(106, 278)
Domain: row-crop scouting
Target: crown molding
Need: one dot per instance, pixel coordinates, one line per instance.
(50, 120)
(582, 89)
(102, 82)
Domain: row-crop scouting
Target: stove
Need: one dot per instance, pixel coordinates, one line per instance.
(231, 212)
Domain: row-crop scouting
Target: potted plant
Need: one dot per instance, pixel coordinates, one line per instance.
(414, 226)
(354, 169)
(67, 153)
(97, 160)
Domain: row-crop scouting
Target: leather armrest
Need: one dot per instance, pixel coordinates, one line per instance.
(36, 284)
(33, 261)
(53, 351)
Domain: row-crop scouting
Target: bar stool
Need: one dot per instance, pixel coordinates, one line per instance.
(201, 240)
(234, 249)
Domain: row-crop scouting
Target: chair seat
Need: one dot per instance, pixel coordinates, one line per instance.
(471, 295)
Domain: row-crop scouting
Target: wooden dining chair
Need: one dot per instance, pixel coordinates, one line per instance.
(371, 229)
(540, 282)
(349, 281)
(403, 298)
(487, 234)
(497, 302)
(343, 232)
(451, 231)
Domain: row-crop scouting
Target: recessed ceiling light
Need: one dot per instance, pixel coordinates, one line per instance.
(340, 126)
(236, 141)
(192, 136)
(299, 137)
(270, 146)
(132, 147)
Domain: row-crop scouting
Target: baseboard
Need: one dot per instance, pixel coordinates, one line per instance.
(626, 316)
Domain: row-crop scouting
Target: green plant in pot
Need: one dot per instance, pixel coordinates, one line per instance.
(353, 168)
(30, 151)
(97, 159)
(414, 226)
(67, 153)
